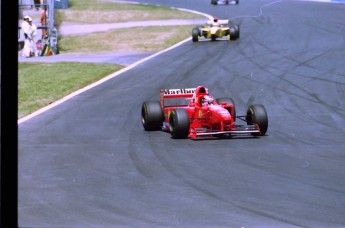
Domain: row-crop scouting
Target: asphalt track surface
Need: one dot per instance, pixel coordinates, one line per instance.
(88, 162)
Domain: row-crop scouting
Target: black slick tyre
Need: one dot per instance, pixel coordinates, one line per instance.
(256, 114)
(237, 29)
(214, 2)
(152, 116)
(179, 123)
(232, 32)
(195, 35)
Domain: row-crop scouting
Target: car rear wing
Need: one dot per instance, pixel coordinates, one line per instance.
(187, 93)
(223, 22)
(177, 93)
(220, 22)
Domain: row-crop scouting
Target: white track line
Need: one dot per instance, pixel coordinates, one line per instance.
(98, 82)
(60, 101)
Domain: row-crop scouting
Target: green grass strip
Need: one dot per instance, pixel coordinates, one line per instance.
(40, 84)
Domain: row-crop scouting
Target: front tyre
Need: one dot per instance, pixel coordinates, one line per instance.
(237, 30)
(214, 2)
(195, 35)
(232, 33)
(179, 123)
(152, 115)
(256, 114)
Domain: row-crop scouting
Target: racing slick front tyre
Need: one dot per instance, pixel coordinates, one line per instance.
(214, 2)
(179, 123)
(195, 35)
(152, 116)
(232, 33)
(256, 114)
(237, 29)
(228, 101)
(237, 1)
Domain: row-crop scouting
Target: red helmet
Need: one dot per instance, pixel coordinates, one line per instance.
(215, 19)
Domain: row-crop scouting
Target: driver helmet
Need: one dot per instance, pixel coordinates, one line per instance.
(215, 22)
(207, 100)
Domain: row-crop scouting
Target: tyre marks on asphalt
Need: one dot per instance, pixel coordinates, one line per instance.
(261, 13)
(281, 79)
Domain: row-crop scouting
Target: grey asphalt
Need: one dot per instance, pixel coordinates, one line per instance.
(115, 58)
(88, 162)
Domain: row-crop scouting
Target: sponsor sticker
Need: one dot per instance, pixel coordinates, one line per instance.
(179, 91)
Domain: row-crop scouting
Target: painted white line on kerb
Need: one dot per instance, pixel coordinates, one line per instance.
(195, 12)
(97, 83)
(56, 103)
(181, 9)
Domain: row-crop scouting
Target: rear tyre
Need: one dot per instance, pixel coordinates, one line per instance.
(152, 116)
(214, 2)
(179, 123)
(228, 101)
(256, 114)
(237, 1)
(195, 35)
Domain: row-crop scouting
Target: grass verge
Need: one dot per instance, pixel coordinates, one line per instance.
(139, 39)
(43, 83)
(99, 11)
(40, 84)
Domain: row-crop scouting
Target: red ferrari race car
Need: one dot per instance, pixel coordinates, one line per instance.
(200, 115)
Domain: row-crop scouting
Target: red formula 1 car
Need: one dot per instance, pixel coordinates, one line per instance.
(201, 115)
